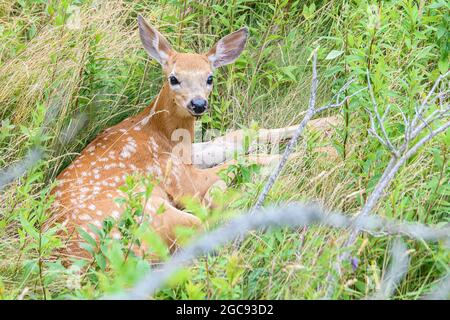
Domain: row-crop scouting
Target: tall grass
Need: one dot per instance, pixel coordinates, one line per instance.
(59, 59)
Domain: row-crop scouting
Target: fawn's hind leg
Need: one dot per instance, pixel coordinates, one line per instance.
(162, 216)
(214, 152)
(166, 222)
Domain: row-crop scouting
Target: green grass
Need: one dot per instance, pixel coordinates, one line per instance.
(62, 58)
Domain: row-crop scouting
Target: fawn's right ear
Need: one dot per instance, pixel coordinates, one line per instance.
(154, 43)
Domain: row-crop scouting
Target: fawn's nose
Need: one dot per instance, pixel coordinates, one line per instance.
(198, 106)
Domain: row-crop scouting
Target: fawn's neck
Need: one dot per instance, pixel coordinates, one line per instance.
(165, 118)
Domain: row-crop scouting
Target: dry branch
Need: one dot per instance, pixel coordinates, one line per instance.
(441, 291)
(399, 157)
(310, 113)
(18, 169)
(396, 271)
(291, 216)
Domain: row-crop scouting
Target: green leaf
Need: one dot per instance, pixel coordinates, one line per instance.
(87, 247)
(155, 244)
(115, 255)
(161, 209)
(443, 65)
(87, 237)
(194, 291)
(101, 261)
(333, 54)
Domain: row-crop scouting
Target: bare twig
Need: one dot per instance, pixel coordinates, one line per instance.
(74, 126)
(338, 103)
(441, 290)
(293, 141)
(14, 171)
(18, 169)
(397, 270)
(292, 216)
(424, 103)
(386, 141)
(312, 111)
(399, 157)
(435, 115)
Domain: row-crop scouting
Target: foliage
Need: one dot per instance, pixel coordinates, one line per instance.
(62, 58)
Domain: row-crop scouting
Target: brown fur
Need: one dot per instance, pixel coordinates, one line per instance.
(143, 144)
(86, 189)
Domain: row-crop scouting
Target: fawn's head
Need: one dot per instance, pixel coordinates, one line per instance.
(190, 76)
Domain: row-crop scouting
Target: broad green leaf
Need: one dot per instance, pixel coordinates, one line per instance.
(333, 54)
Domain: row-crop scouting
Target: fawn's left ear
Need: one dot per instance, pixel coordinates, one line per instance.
(228, 49)
(154, 43)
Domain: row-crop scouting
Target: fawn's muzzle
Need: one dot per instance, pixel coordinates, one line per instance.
(198, 106)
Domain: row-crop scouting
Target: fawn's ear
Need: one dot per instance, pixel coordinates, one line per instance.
(154, 43)
(228, 49)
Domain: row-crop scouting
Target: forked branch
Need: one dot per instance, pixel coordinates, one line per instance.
(400, 155)
(293, 215)
(310, 113)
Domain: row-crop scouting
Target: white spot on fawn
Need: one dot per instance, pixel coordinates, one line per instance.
(98, 223)
(145, 120)
(128, 149)
(154, 145)
(85, 217)
(109, 166)
(116, 235)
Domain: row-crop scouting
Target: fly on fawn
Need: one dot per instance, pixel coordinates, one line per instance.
(145, 144)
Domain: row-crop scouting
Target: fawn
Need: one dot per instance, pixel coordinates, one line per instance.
(144, 144)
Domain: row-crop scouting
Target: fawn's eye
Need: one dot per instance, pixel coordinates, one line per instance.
(173, 81)
(210, 80)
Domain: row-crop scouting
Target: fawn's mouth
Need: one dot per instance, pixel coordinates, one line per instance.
(197, 114)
